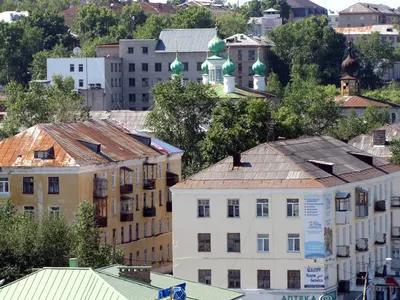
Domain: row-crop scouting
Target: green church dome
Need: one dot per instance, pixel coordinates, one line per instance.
(204, 66)
(229, 66)
(177, 66)
(259, 67)
(216, 45)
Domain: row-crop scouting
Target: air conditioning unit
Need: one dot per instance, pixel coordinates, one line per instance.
(343, 286)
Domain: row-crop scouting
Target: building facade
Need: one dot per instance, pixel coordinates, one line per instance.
(125, 174)
(286, 220)
(259, 26)
(367, 14)
(333, 19)
(301, 9)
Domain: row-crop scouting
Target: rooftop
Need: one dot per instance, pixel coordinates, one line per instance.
(369, 8)
(242, 92)
(309, 162)
(134, 120)
(384, 29)
(303, 4)
(244, 40)
(156, 8)
(186, 40)
(362, 102)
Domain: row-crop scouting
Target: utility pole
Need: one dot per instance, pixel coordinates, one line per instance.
(365, 284)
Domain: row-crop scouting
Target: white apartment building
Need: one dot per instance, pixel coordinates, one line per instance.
(287, 220)
(98, 79)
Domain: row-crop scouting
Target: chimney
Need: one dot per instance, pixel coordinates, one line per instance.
(379, 137)
(137, 273)
(73, 263)
(236, 159)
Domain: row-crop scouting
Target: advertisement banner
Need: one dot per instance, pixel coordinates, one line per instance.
(314, 278)
(328, 233)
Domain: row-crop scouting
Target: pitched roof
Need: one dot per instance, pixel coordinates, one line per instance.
(134, 120)
(194, 290)
(156, 8)
(368, 8)
(297, 163)
(74, 144)
(187, 40)
(363, 102)
(244, 40)
(384, 29)
(303, 4)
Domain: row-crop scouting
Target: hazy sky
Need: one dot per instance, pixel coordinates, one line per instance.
(338, 5)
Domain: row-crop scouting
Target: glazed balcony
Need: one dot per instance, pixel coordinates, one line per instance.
(149, 184)
(362, 271)
(169, 206)
(380, 206)
(380, 238)
(126, 213)
(395, 202)
(149, 176)
(343, 251)
(149, 211)
(126, 189)
(362, 245)
(342, 208)
(100, 188)
(172, 178)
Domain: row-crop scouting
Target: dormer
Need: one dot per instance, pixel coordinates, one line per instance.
(44, 154)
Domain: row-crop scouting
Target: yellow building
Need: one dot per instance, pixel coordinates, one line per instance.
(52, 167)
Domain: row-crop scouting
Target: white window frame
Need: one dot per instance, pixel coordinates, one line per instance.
(168, 252)
(114, 180)
(262, 204)
(168, 224)
(205, 205)
(4, 186)
(235, 205)
(113, 206)
(292, 237)
(160, 171)
(160, 226)
(29, 210)
(263, 242)
(137, 177)
(292, 202)
(54, 211)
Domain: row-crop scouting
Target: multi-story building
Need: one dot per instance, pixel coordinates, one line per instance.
(292, 219)
(98, 80)
(50, 168)
(333, 19)
(367, 14)
(301, 9)
(269, 21)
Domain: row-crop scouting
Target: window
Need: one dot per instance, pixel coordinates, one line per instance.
(145, 98)
(114, 209)
(120, 82)
(198, 66)
(168, 252)
(114, 234)
(54, 187)
(233, 279)
(137, 202)
(29, 211)
(204, 242)
(130, 50)
(130, 232)
(4, 185)
(185, 66)
(168, 225)
(160, 198)
(262, 208)
(294, 243)
(251, 85)
(132, 97)
(138, 258)
(262, 242)
(144, 50)
(131, 67)
(145, 229)
(145, 67)
(240, 68)
(158, 67)
(72, 68)
(239, 55)
(233, 208)
(252, 55)
(293, 279)
(145, 257)
(263, 279)
(160, 226)
(27, 184)
(233, 242)
(122, 235)
(292, 207)
(131, 81)
(153, 255)
(152, 199)
(153, 227)
(160, 171)
(114, 179)
(130, 259)
(144, 200)
(80, 67)
(80, 82)
(145, 82)
(54, 211)
(161, 254)
(137, 231)
(205, 276)
(112, 67)
(203, 208)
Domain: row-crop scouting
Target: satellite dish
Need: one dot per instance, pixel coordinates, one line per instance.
(77, 51)
(2, 282)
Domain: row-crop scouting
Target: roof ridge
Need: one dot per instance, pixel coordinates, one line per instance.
(110, 285)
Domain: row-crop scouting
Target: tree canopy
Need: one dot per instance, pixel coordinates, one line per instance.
(230, 24)
(390, 92)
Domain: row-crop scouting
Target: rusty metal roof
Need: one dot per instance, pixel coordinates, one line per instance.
(287, 164)
(72, 145)
(362, 101)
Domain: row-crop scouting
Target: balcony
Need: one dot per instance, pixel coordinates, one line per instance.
(361, 203)
(100, 188)
(149, 211)
(362, 271)
(396, 232)
(380, 238)
(169, 206)
(380, 205)
(126, 189)
(149, 184)
(126, 213)
(344, 286)
(150, 176)
(172, 178)
(101, 222)
(342, 208)
(395, 202)
(343, 251)
(362, 245)
(126, 216)
(342, 217)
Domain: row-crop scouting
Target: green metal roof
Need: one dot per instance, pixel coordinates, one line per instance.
(241, 92)
(194, 290)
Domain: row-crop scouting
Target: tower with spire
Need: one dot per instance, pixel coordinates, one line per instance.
(229, 80)
(176, 66)
(215, 62)
(350, 85)
(259, 68)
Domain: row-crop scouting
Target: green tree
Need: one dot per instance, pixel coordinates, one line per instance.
(237, 126)
(88, 47)
(281, 5)
(390, 93)
(375, 55)
(251, 9)
(230, 24)
(274, 85)
(87, 244)
(175, 2)
(309, 42)
(178, 117)
(193, 17)
(152, 28)
(130, 17)
(395, 149)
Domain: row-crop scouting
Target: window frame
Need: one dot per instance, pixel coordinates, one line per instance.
(131, 50)
(292, 277)
(131, 67)
(145, 67)
(71, 68)
(157, 67)
(264, 279)
(30, 183)
(30, 210)
(233, 204)
(261, 203)
(4, 186)
(206, 208)
(55, 183)
(145, 50)
(263, 237)
(291, 240)
(204, 276)
(234, 277)
(233, 242)
(204, 242)
(54, 211)
(293, 202)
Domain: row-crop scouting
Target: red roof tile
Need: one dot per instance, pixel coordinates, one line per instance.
(362, 102)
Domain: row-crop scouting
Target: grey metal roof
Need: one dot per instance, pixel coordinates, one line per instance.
(303, 4)
(134, 120)
(186, 40)
(244, 40)
(368, 8)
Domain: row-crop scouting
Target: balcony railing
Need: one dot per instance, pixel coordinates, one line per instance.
(172, 178)
(100, 188)
(396, 232)
(380, 238)
(361, 211)
(380, 205)
(126, 216)
(149, 184)
(362, 244)
(101, 221)
(126, 189)
(343, 251)
(395, 201)
(169, 206)
(149, 211)
(343, 286)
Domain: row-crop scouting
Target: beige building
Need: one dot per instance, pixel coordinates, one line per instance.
(50, 168)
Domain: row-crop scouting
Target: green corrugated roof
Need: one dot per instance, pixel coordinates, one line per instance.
(194, 290)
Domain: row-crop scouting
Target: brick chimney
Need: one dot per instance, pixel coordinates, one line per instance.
(137, 273)
(237, 159)
(379, 137)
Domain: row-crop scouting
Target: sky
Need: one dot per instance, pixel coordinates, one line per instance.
(338, 5)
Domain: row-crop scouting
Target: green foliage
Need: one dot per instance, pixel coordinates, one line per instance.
(152, 28)
(230, 24)
(390, 93)
(178, 115)
(175, 2)
(38, 67)
(310, 42)
(251, 9)
(395, 149)
(274, 85)
(42, 5)
(375, 55)
(89, 46)
(237, 126)
(58, 103)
